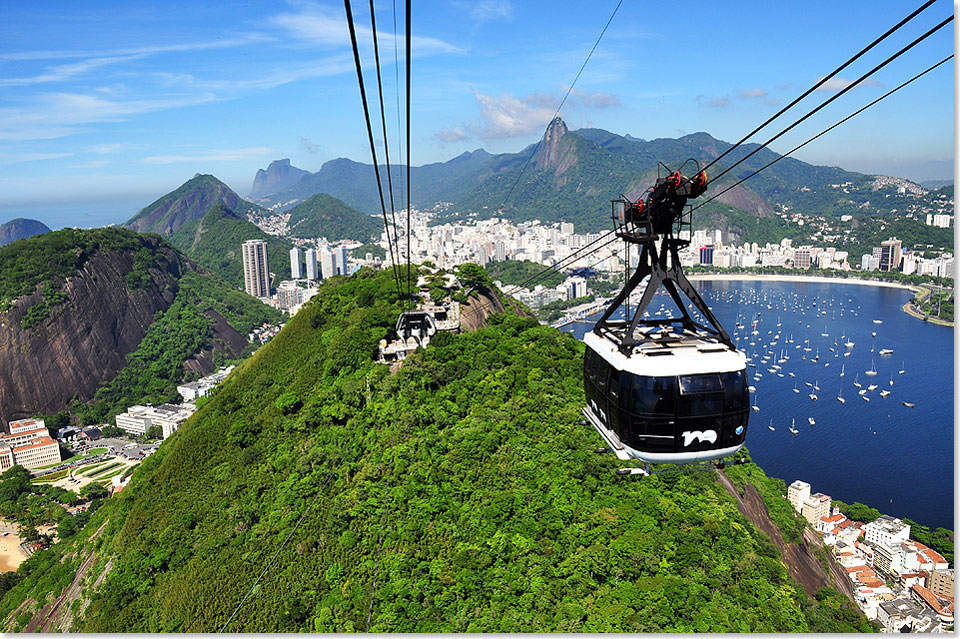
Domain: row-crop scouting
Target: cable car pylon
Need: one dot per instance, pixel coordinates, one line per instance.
(664, 390)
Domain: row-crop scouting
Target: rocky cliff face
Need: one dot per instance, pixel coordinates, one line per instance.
(84, 340)
(553, 152)
(279, 176)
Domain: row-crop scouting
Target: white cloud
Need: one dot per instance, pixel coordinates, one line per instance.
(18, 158)
(751, 93)
(453, 134)
(323, 26)
(713, 102)
(221, 155)
(483, 10)
(839, 84)
(54, 115)
(508, 116)
(310, 147)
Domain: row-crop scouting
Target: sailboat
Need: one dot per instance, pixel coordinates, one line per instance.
(793, 427)
(812, 421)
(891, 379)
(795, 389)
(856, 380)
(909, 404)
(842, 373)
(872, 371)
(840, 396)
(903, 368)
(771, 425)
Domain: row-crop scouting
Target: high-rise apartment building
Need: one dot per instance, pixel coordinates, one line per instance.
(256, 274)
(890, 254)
(327, 267)
(312, 273)
(296, 264)
(340, 260)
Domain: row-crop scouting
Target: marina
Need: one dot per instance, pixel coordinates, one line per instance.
(887, 451)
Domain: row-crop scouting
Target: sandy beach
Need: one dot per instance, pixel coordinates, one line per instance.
(10, 554)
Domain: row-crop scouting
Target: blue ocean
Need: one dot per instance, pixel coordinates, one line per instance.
(825, 339)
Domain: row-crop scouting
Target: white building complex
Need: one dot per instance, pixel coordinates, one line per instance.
(138, 419)
(29, 445)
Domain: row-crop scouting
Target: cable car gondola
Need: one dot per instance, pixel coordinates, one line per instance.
(667, 389)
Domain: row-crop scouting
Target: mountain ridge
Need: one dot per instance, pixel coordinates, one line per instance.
(21, 228)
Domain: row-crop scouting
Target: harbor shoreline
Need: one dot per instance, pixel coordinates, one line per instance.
(799, 278)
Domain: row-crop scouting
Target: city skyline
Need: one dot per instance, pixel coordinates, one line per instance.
(107, 128)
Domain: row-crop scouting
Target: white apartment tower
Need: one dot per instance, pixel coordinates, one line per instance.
(311, 256)
(797, 493)
(296, 264)
(326, 263)
(256, 273)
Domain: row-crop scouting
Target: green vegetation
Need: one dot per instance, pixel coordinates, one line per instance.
(215, 243)
(107, 471)
(514, 273)
(53, 257)
(325, 216)
(773, 491)
(188, 203)
(183, 330)
(374, 249)
(33, 504)
(496, 514)
(938, 303)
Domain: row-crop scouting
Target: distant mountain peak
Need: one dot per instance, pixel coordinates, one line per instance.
(551, 153)
(279, 176)
(19, 229)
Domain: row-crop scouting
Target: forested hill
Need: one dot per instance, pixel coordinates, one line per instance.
(458, 495)
(188, 203)
(97, 320)
(215, 241)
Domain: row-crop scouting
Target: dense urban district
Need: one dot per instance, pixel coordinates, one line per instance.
(185, 374)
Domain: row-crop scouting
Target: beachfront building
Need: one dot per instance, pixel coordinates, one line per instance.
(797, 493)
(886, 530)
(28, 444)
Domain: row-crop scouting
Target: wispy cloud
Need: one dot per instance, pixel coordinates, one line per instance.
(713, 102)
(453, 134)
(97, 60)
(323, 26)
(310, 147)
(221, 155)
(751, 93)
(484, 10)
(507, 116)
(7, 158)
(839, 84)
(54, 115)
(334, 64)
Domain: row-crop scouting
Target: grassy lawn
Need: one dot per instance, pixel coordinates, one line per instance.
(107, 472)
(52, 477)
(89, 469)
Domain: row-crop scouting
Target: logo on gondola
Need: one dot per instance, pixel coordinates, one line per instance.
(701, 436)
(739, 430)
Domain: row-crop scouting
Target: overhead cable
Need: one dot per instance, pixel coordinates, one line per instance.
(800, 146)
(373, 148)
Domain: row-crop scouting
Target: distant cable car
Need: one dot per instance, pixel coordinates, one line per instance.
(668, 389)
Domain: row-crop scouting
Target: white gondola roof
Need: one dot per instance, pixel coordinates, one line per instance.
(690, 354)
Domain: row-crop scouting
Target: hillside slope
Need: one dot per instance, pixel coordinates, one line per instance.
(20, 228)
(459, 495)
(215, 243)
(322, 215)
(188, 203)
(109, 314)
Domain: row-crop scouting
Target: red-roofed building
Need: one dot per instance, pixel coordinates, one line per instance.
(941, 606)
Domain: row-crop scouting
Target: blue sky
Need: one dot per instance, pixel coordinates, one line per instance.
(105, 106)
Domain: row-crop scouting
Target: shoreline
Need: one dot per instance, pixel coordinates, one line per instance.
(800, 278)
